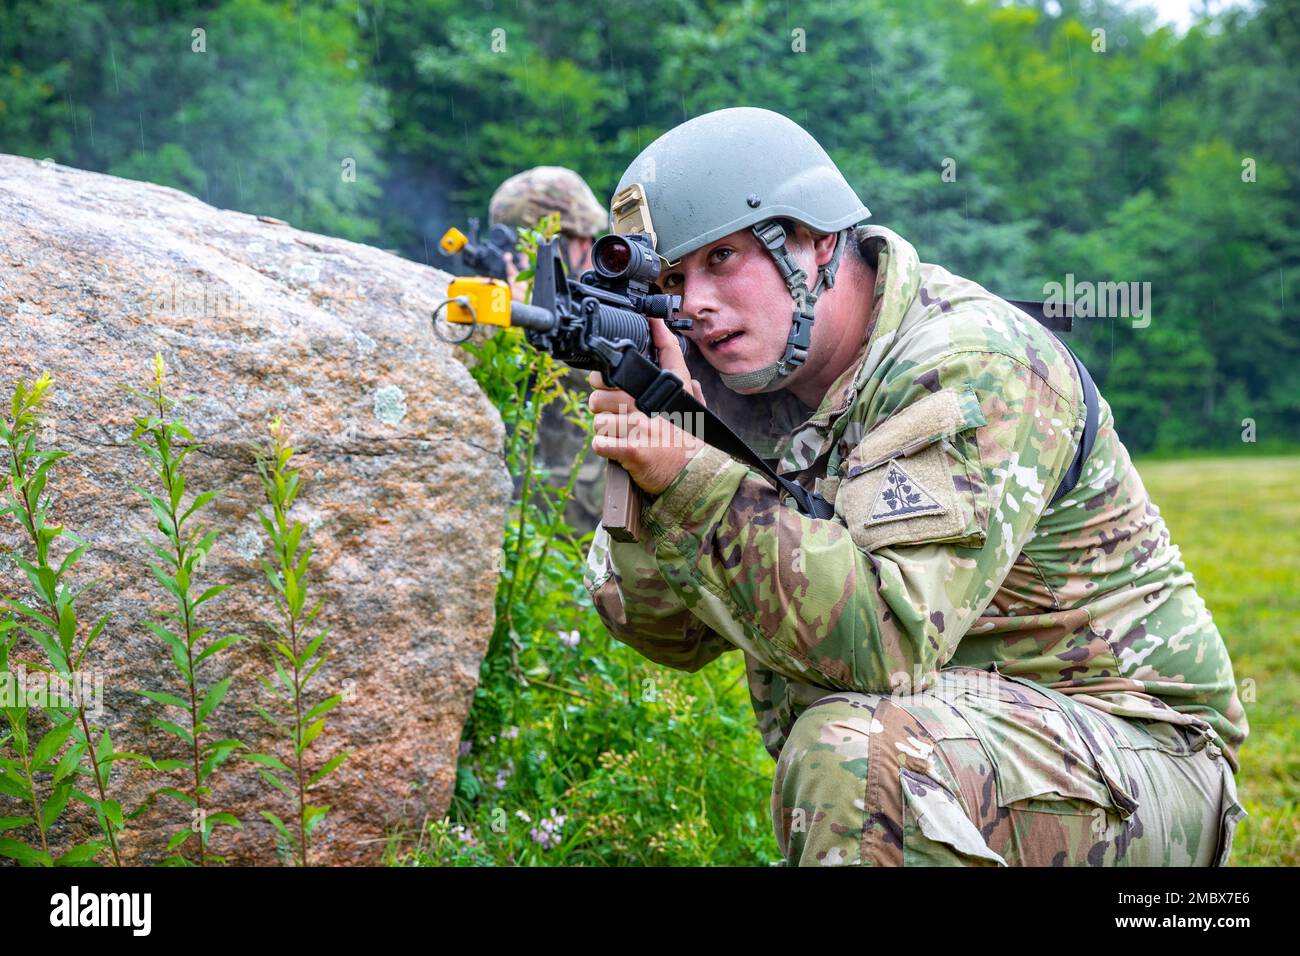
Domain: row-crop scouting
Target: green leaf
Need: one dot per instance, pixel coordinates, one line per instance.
(31, 612)
(180, 655)
(53, 650)
(161, 697)
(177, 491)
(73, 557)
(228, 743)
(180, 795)
(113, 811)
(51, 743)
(205, 543)
(267, 760)
(21, 852)
(52, 807)
(274, 689)
(168, 556)
(275, 781)
(284, 678)
(219, 645)
(310, 649)
(81, 853)
(291, 592)
(12, 823)
(68, 628)
(312, 733)
(104, 747)
(71, 758)
(174, 729)
(172, 764)
(279, 825)
(213, 697)
(324, 707)
(213, 761)
(94, 633)
(14, 786)
(314, 611)
(210, 593)
(311, 671)
(48, 584)
(302, 576)
(280, 724)
(229, 819)
(312, 817)
(178, 838)
(159, 508)
(199, 502)
(168, 581)
(330, 766)
(128, 755)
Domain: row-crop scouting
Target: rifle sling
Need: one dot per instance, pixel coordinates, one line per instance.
(657, 390)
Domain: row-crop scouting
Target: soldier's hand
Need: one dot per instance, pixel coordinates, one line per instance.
(653, 450)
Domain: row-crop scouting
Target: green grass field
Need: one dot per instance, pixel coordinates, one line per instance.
(1237, 522)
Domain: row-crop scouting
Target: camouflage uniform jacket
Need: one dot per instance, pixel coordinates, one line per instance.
(940, 448)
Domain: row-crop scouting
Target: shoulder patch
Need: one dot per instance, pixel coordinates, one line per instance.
(901, 496)
(909, 482)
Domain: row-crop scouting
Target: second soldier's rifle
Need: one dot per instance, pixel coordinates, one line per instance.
(486, 257)
(600, 322)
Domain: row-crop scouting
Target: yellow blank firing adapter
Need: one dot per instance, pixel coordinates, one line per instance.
(452, 241)
(472, 299)
(478, 299)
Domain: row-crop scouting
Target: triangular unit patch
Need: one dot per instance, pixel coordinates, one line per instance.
(901, 496)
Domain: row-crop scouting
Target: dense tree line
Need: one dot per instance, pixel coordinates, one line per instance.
(1016, 144)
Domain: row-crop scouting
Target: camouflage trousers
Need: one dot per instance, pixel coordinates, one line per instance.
(987, 770)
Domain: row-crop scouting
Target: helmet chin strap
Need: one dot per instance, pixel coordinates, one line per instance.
(769, 378)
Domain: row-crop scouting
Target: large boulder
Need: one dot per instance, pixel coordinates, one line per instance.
(401, 455)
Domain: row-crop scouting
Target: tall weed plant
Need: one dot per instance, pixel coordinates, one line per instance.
(578, 750)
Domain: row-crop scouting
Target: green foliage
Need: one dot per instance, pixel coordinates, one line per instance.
(260, 119)
(296, 656)
(45, 771)
(578, 750)
(1121, 164)
(165, 442)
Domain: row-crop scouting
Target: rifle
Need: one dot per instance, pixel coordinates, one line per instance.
(486, 258)
(597, 322)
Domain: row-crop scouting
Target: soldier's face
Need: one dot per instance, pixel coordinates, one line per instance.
(732, 286)
(579, 254)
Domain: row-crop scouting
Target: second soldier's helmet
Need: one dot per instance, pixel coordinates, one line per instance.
(526, 197)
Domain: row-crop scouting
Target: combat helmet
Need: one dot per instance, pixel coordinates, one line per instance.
(528, 196)
(734, 169)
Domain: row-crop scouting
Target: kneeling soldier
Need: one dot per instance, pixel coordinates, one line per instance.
(992, 653)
